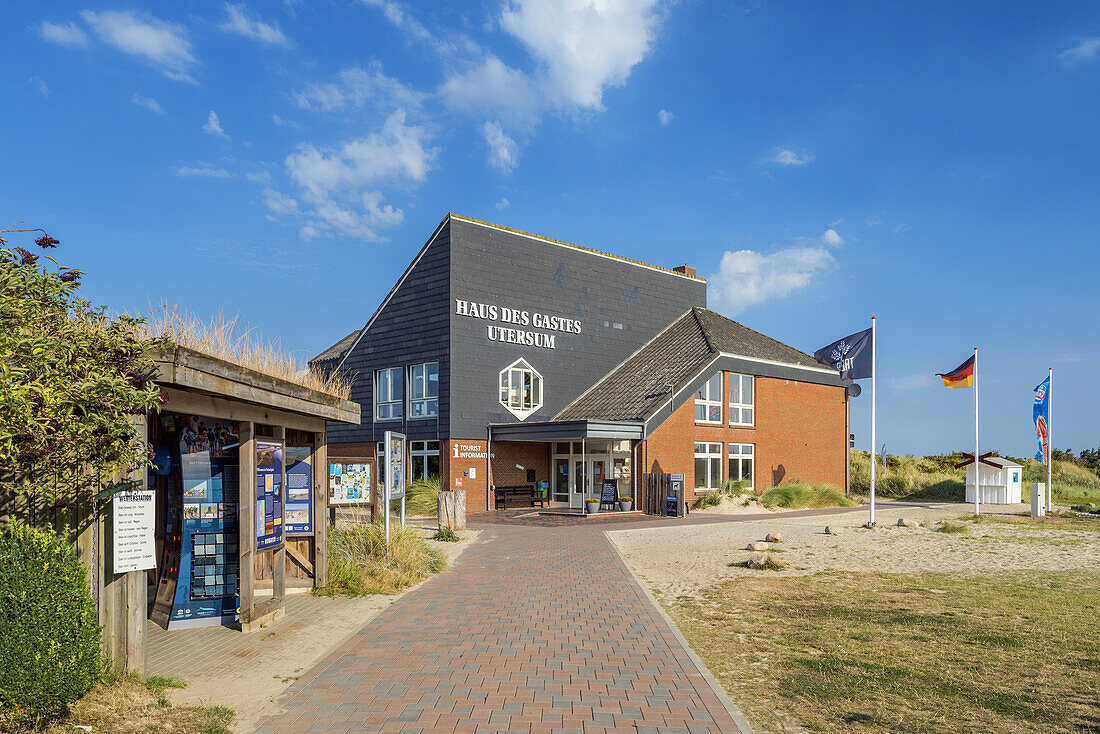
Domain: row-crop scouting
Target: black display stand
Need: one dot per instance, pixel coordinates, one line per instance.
(609, 493)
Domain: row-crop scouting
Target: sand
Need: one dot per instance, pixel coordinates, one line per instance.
(683, 560)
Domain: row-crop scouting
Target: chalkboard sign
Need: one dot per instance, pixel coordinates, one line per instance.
(610, 493)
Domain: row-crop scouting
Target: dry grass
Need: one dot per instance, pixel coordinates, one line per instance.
(225, 339)
(929, 652)
(359, 563)
(796, 496)
(125, 705)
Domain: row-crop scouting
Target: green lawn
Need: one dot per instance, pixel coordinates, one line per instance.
(930, 652)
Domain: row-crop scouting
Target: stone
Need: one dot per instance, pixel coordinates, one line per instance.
(756, 545)
(773, 538)
(767, 561)
(904, 522)
(833, 530)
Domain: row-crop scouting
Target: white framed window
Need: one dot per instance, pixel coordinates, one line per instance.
(742, 397)
(708, 465)
(742, 462)
(425, 459)
(520, 389)
(708, 401)
(389, 394)
(424, 390)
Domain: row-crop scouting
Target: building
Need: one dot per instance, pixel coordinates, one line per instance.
(508, 358)
(1001, 480)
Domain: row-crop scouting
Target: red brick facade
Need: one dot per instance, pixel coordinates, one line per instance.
(801, 433)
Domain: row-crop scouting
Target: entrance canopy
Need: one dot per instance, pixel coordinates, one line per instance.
(566, 430)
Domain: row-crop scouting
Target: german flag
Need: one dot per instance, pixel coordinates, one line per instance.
(961, 376)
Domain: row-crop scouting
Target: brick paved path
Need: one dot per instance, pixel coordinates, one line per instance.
(536, 629)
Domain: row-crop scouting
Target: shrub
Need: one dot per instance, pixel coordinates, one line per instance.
(795, 495)
(49, 656)
(446, 535)
(710, 499)
(734, 487)
(358, 562)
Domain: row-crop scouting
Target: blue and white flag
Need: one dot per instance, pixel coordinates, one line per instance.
(851, 356)
(1041, 414)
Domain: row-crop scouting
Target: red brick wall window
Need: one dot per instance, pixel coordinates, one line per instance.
(742, 400)
(742, 458)
(708, 465)
(708, 401)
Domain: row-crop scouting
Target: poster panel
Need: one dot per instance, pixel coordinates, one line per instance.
(299, 489)
(269, 494)
(135, 517)
(206, 586)
(349, 483)
(395, 465)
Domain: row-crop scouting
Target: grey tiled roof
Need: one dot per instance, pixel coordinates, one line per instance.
(335, 352)
(640, 385)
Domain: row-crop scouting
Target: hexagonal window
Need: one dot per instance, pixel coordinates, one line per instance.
(520, 389)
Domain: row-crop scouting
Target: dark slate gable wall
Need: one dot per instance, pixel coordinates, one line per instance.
(411, 329)
(510, 270)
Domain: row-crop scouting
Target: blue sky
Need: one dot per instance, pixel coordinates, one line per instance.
(933, 164)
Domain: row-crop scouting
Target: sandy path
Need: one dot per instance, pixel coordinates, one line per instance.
(680, 561)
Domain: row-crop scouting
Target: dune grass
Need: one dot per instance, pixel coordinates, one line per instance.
(359, 564)
(929, 652)
(935, 478)
(797, 496)
(421, 498)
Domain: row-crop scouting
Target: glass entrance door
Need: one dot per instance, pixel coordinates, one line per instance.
(561, 481)
(588, 476)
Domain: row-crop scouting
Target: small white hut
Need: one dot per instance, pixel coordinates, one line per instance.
(1001, 481)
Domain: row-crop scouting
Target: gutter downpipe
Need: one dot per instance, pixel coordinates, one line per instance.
(488, 466)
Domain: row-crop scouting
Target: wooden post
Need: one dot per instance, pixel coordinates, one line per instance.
(320, 509)
(452, 509)
(247, 523)
(279, 561)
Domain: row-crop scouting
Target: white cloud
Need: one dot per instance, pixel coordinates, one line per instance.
(746, 277)
(584, 46)
(148, 103)
(503, 151)
(163, 45)
(831, 237)
(241, 23)
(213, 126)
(494, 89)
(280, 203)
(910, 382)
(334, 182)
(397, 15)
(40, 85)
(258, 176)
(788, 157)
(503, 204)
(356, 87)
(1086, 50)
(69, 34)
(665, 117)
(202, 171)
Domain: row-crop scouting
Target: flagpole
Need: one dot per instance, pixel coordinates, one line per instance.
(977, 456)
(873, 397)
(1050, 441)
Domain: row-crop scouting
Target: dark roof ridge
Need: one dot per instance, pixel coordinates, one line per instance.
(697, 312)
(764, 336)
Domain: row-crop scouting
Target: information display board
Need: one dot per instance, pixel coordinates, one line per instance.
(135, 517)
(609, 493)
(269, 494)
(299, 489)
(206, 585)
(349, 483)
(395, 465)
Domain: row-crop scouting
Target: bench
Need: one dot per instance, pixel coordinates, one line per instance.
(518, 493)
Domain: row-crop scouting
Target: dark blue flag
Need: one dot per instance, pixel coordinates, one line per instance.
(851, 355)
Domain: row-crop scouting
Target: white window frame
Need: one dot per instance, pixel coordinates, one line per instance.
(738, 406)
(520, 389)
(743, 451)
(711, 452)
(429, 401)
(709, 399)
(390, 401)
